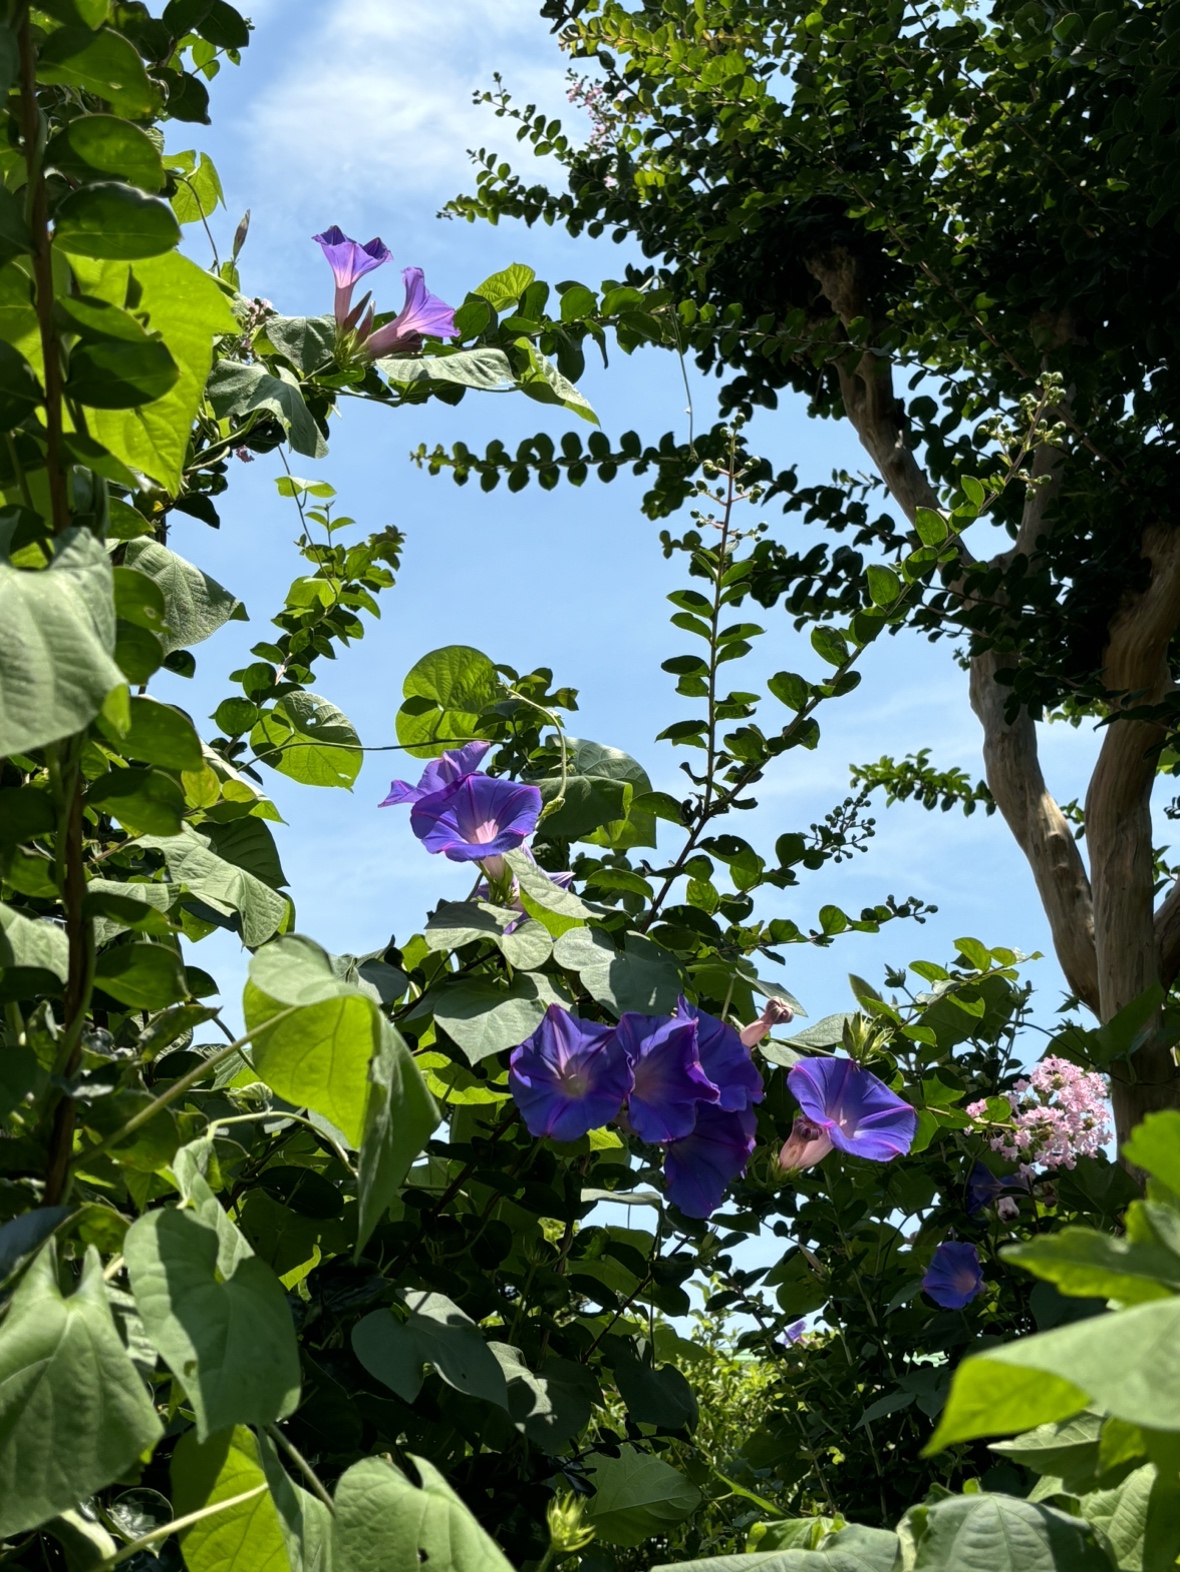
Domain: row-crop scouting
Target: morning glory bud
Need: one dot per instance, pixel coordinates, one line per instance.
(807, 1144)
(775, 1013)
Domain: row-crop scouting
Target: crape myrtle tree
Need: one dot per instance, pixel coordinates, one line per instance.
(954, 227)
(393, 1277)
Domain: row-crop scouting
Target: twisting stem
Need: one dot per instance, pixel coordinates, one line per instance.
(80, 976)
(178, 1088)
(38, 216)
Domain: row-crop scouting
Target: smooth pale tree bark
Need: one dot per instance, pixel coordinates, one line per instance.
(1112, 943)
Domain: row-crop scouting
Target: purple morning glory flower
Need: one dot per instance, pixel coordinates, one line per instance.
(700, 1166)
(570, 1077)
(670, 1085)
(439, 774)
(855, 1110)
(984, 1188)
(795, 1331)
(954, 1277)
(479, 817)
(724, 1058)
(423, 316)
(349, 261)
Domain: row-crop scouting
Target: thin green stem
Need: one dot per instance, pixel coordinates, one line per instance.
(180, 1087)
(176, 1526)
(302, 1465)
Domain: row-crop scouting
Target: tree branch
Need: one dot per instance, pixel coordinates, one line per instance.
(1009, 748)
(866, 384)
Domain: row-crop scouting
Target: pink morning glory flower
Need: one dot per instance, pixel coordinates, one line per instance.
(349, 261)
(570, 1077)
(855, 1110)
(423, 316)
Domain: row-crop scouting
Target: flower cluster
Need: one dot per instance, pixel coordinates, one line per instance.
(467, 816)
(685, 1082)
(423, 315)
(1058, 1115)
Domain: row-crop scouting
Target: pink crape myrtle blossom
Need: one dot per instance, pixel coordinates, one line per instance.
(1058, 1115)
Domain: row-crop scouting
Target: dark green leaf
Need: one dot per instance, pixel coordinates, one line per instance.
(143, 976)
(115, 222)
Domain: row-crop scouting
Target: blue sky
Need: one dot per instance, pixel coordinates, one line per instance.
(358, 112)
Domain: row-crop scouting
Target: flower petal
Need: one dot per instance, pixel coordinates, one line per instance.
(570, 1077)
(724, 1058)
(701, 1165)
(955, 1276)
(478, 817)
(669, 1082)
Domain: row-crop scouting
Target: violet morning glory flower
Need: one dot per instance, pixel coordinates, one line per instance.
(423, 316)
(724, 1058)
(477, 818)
(349, 261)
(670, 1085)
(700, 1166)
(855, 1110)
(795, 1331)
(439, 774)
(570, 1077)
(954, 1277)
(984, 1188)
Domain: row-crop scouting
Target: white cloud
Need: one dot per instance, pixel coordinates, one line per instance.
(380, 93)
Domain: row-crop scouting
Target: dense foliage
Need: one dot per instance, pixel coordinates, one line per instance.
(373, 1283)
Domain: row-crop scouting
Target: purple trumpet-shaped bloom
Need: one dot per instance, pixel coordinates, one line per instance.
(857, 1112)
(984, 1188)
(806, 1145)
(570, 1077)
(725, 1059)
(349, 261)
(954, 1277)
(794, 1332)
(700, 1166)
(670, 1086)
(478, 818)
(454, 766)
(423, 316)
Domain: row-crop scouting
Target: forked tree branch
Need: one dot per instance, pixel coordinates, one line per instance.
(1009, 747)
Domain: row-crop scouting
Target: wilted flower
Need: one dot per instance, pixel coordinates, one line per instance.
(807, 1144)
(349, 261)
(776, 1012)
(423, 316)
(570, 1077)
(700, 1166)
(669, 1081)
(984, 1188)
(477, 819)
(724, 1057)
(1007, 1209)
(954, 1277)
(455, 765)
(857, 1112)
